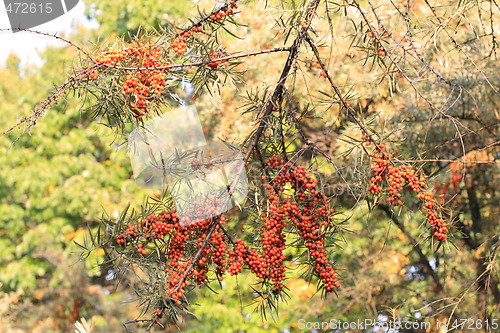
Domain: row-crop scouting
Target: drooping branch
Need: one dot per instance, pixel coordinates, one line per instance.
(439, 110)
(275, 97)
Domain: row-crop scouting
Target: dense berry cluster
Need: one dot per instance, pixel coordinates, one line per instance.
(141, 85)
(383, 168)
(179, 45)
(94, 74)
(143, 234)
(145, 83)
(114, 56)
(439, 227)
(379, 167)
(224, 11)
(396, 182)
(111, 59)
(308, 211)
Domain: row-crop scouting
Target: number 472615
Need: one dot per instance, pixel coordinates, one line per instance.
(29, 8)
(471, 324)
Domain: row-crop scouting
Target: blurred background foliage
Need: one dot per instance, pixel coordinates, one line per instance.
(56, 182)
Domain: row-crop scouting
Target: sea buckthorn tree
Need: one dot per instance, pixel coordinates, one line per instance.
(306, 123)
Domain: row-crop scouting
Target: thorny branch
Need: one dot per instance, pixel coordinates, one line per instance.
(73, 80)
(275, 97)
(403, 73)
(273, 100)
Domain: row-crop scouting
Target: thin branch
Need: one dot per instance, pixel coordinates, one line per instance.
(256, 136)
(67, 41)
(200, 63)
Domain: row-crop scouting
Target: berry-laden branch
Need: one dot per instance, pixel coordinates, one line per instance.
(150, 63)
(216, 59)
(216, 15)
(310, 216)
(148, 70)
(396, 177)
(384, 165)
(307, 210)
(142, 83)
(177, 234)
(140, 71)
(270, 267)
(441, 110)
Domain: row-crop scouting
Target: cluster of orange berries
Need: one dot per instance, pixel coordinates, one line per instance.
(224, 11)
(243, 254)
(142, 250)
(144, 83)
(307, 210)
(439, 227)
(273, 242)
(114, 56)
(396, 182)
(311, 216)
(214, 252)
(235, 257)
(309, 213)
(154, 227)
(179, 45)
(396, 177)
(130, 85)
(318, 66)
(94, 74)
(176, 274)
(379, 167)
(141, 84)
(111, 59)
(181, 232)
